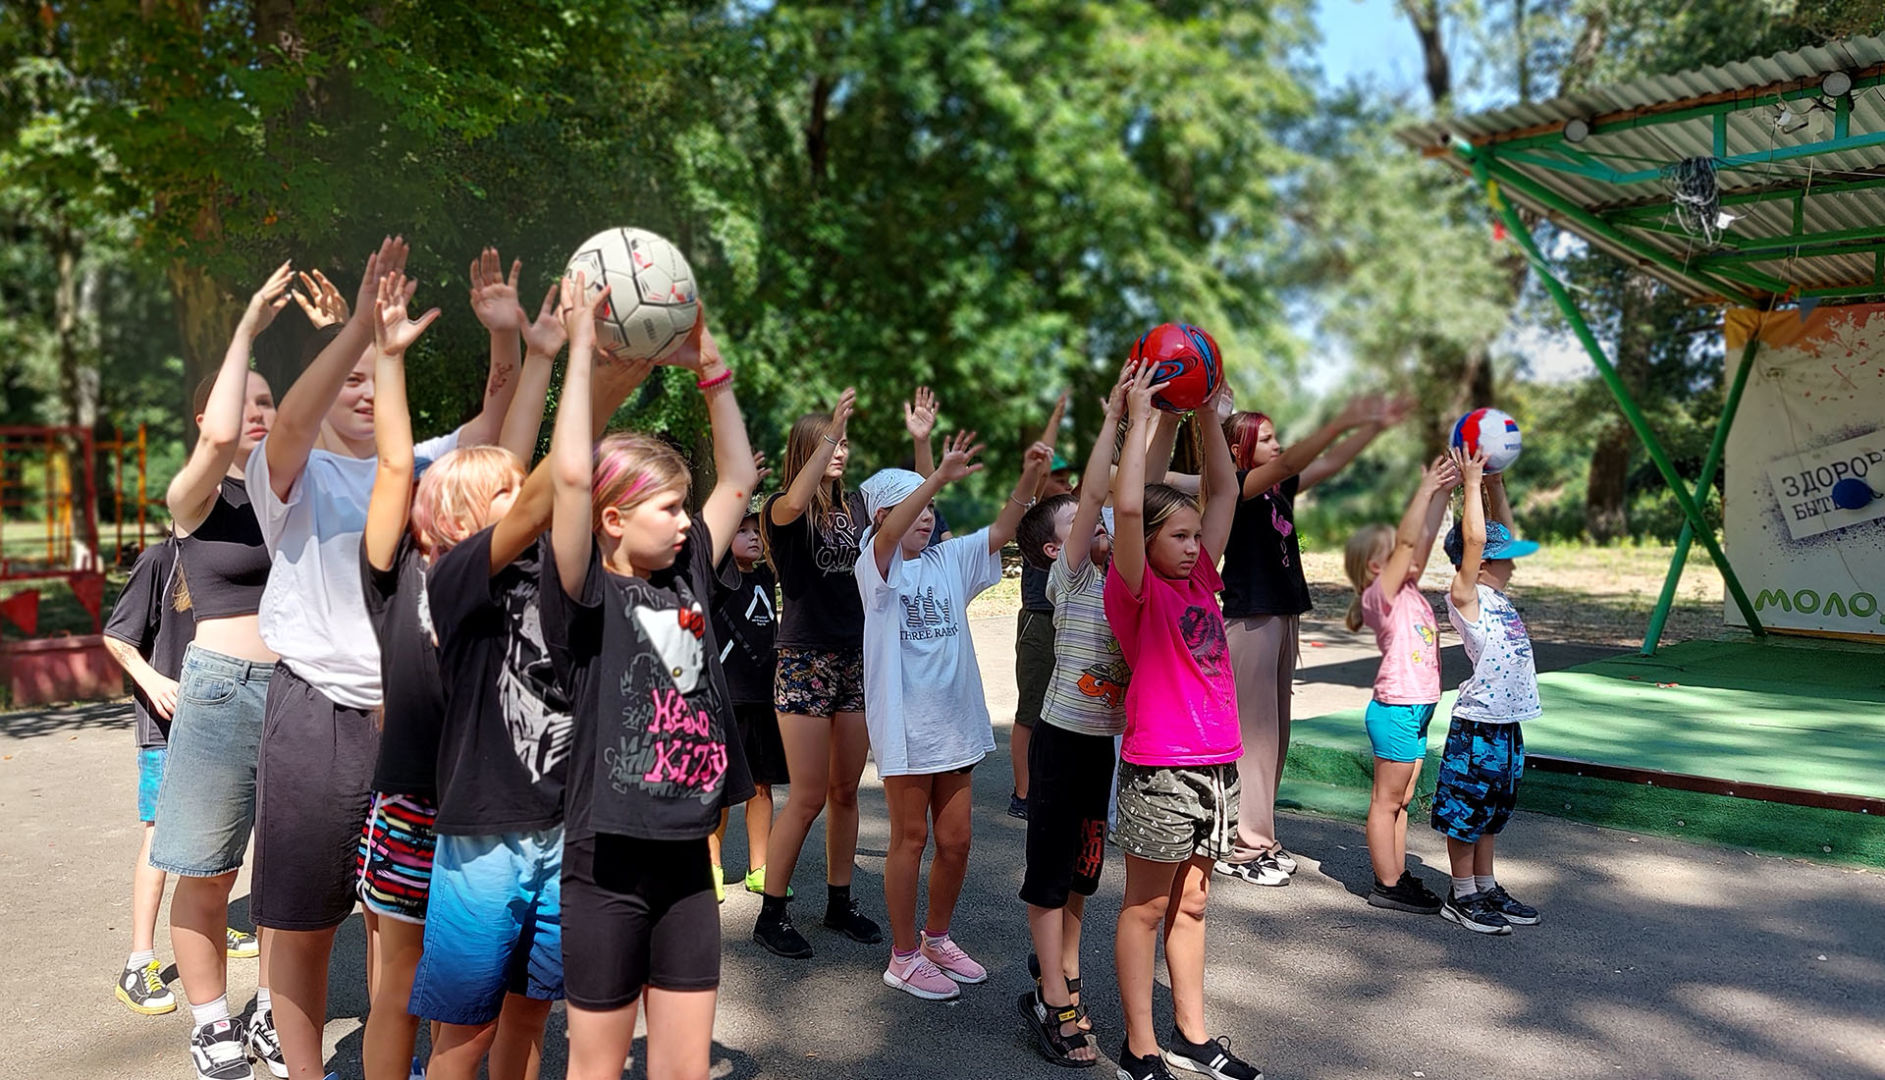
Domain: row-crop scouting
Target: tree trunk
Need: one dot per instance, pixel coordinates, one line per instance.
(205, 316)
(1425, 15)
(1606, 488)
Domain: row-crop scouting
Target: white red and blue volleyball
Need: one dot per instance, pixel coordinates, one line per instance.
(1492, 430)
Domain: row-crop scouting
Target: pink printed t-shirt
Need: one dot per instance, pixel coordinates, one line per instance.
(1181, 705)
(1408, 635)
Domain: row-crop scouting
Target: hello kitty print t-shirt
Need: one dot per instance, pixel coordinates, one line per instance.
(1503, 688)
(655, 755)
(1263, 558)
(923, 696)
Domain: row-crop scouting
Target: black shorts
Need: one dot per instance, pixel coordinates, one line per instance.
(313, 790)
(1070, 782)
(1033, 664)
(759, 735)
(637, 913)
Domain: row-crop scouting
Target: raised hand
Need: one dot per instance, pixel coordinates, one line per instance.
(1037, 459)
(1390, 411)
(919, 414)
(1472, 467)
(393, 332)
(841, 412)
(1139, 395)
(1443, 474)
(759, 467)
(958, 458)
(699, 351)
(320, 301)
(268, 300)
(493, 298)
(547, 335)
(577, 313)
(389, 259)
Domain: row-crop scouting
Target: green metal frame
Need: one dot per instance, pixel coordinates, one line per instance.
(1486, 169)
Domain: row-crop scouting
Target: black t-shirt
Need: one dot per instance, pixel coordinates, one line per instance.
(657, 753)
(225, 561)
(414, 708)
(1263, 560)
(744, 624)
(504, 747)
(814, 560)
(145, 619)
(1034, 590)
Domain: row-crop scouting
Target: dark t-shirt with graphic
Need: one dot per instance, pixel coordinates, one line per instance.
(814, 560)
(1263, 558)
(744, 624)
(146, 619)
(505, 744)
(414, 700)
(656, 752)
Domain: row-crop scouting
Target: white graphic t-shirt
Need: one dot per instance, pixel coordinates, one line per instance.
(1503, 688)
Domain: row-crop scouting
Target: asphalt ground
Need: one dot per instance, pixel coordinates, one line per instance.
(1655, 958)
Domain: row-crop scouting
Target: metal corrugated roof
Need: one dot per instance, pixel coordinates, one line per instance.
(1642, 126)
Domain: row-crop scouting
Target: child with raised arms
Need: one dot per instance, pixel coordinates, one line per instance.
(1178, 780)
(1384, 565)
(929, 722)
(657, 754)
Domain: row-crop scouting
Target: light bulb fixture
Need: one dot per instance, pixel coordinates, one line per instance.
(1576, 130)
(1836, 84)
(1789, 120)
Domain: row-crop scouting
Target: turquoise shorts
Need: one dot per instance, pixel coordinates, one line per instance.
(150, 777)
(1398, 732)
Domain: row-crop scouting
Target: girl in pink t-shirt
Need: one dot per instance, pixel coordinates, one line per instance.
(1178, 779)
(1384, 565)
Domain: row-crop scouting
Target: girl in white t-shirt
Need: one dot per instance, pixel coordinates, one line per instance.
(923, 697)
(1384, 565)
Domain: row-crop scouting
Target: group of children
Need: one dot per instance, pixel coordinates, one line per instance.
(507, 709)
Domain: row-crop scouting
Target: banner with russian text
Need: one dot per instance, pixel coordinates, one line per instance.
(1804, 506)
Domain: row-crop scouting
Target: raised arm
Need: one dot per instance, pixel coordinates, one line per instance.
(193, 491)
(1129, 484)
(1465, 588)
(1501, 506)
(1051, 436)
(1218, 490)
(1034, 465)
(736, 474)
(494, 300)
(1387, 413)
(958, 461)
(1097, 482)
(919, 419)
(298, 418)
(1413, 539)
(1298, 456)
(572, 444)
(1158, 455)
(797, 497)
(543, 339)
(390, 506)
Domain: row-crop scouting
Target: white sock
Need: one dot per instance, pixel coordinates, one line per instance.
(262, 1000)
(140, 960)
(210, 1011)
(1464, 887)
(1484, 883)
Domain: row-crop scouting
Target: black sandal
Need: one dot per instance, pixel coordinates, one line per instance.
(1073, 990)
(1045, 1020)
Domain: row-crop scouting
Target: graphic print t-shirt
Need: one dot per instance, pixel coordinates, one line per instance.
(1087, 692)
(1181, 708)
(414, 709)
(505, 744)
(923, 697)
(1408, 636)
(1503, 688)
(657, 755)
(145, 619)
(1263, 559)
(744, 624)
(814, 559)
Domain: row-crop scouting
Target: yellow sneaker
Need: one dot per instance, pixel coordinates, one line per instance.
(720, 884)
(240, 945)
(756, 883)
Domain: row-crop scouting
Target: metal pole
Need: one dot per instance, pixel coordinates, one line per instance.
(1710, 464)
(1634, 415)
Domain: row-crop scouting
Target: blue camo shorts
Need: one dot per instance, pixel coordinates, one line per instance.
(1479, 774)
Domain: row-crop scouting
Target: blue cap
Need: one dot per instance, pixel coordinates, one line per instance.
(1499, 544)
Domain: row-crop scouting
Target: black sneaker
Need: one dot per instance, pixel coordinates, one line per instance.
(844, 917)
(1017, 807)
(1515, 913)
(143, 989)
(1407, 894)
(220, 1051)
(780, 937)
(1211, 1058)
(1475, 913)
(1150, 1067)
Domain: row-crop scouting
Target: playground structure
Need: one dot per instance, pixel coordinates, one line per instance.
(1757, 187)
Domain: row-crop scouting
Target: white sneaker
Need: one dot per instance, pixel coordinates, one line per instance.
(216, 1050)
(265, 1045)
(1259, 871)
(1283, 860)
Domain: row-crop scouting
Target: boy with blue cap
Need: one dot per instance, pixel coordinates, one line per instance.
(1485, 748)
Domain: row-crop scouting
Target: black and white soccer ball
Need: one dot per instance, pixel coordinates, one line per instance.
(654, 302)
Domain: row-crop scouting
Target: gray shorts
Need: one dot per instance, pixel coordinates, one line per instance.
(206, 801)
(1168, 813)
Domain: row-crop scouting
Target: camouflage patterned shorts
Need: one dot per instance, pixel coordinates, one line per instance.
(1479, 774)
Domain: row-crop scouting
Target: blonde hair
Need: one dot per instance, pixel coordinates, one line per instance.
(456, 491)
(1161, 502)
(1355, 559)
(632, 468)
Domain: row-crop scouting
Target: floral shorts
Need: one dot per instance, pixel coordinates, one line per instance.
(816, 682)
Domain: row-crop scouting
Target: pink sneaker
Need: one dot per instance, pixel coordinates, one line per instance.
(947, 955)
(917, 976)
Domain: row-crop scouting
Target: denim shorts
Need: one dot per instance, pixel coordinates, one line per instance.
(206, 803)
(150, 775)
(494, 925)
(1398, 732)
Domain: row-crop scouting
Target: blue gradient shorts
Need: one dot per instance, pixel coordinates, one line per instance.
(150, 777)
(494, 925)
(1398, 732)
(1479, 774)
(206, 803)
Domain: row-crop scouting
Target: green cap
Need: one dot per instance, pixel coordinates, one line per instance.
(1061, 464)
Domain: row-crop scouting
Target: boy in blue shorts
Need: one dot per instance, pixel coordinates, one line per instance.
(1485, 748)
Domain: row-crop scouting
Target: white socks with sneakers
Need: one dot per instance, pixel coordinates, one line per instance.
(1464, 887)
(1485, 883)
(262, 1000)
(140, 960)
(210, 1011)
